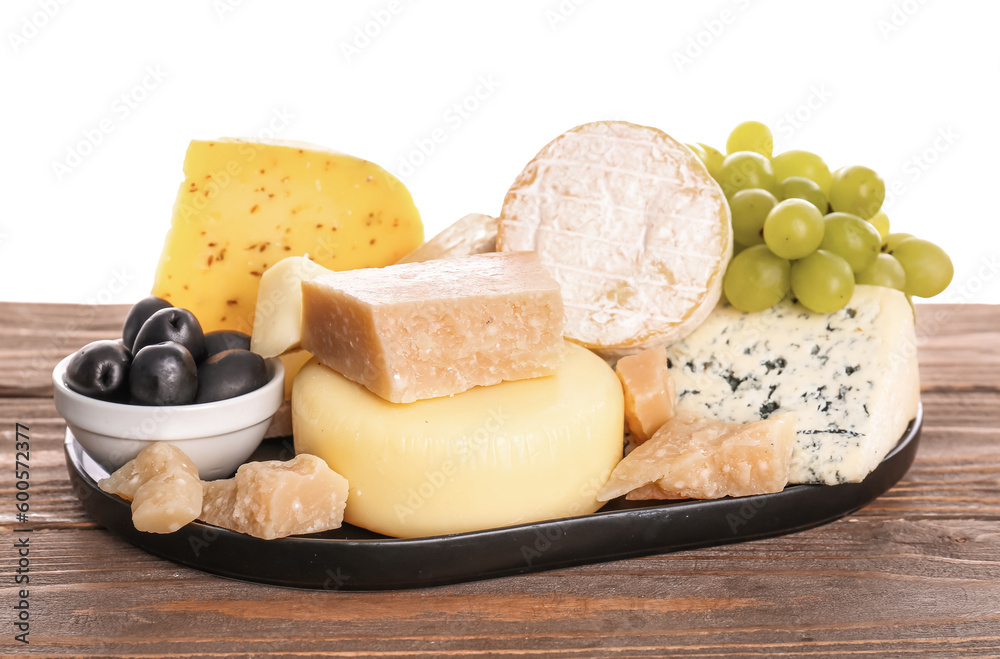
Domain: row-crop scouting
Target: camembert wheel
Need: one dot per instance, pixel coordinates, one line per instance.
(631, 225)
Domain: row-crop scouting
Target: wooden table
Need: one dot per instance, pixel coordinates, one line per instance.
(916, 573)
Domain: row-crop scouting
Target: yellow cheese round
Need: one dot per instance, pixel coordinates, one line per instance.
(510, 453)
(631, 225)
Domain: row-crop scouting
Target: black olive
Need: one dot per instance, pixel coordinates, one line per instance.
(138, 314)
(173, 324)
(163, 374)
(220, 340)
(100, 370)
(229, 374)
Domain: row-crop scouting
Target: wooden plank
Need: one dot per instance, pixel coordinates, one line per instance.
(34, 337)
(887, 587)
(959, 346)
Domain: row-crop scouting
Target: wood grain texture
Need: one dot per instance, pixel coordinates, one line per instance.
(916, 573)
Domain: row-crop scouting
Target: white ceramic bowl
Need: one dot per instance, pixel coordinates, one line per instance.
(218, 436)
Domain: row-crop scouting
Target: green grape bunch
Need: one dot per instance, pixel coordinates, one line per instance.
(801, 229)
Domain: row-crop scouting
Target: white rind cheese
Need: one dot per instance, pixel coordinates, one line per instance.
(631, 225)
(850, 376)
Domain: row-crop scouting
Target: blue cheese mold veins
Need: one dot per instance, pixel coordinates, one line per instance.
(851, 376)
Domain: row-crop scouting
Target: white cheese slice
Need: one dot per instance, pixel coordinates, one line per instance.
(850, 376)
(277, 327)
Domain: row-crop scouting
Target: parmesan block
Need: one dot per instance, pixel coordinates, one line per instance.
(473, 234)
(650, 394)
(163, 485)
(423, 330)
(631, 225)
(276, 499)
(512, 453)
(243, 206)
(691, 457)
(850, 376)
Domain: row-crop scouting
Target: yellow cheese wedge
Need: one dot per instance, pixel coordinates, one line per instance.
(243, 206)
(492, 456)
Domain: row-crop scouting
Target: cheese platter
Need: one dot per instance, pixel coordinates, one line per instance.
(652, 347)
(351, 558)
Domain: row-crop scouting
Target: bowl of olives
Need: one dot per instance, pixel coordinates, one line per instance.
(167, 380)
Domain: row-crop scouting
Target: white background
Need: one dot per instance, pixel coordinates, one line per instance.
(906, 87)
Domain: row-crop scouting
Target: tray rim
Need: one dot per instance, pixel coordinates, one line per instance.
(114, 514)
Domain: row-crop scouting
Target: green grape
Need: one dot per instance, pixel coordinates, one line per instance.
(737, 248)
(886, 271)
(698, 151)
(744, 170)
(889, 242)
(793, 229)
(756, 279)
(822, 281)
(800, 187)
(750, 209)
(713, 160)
(928, 268)
(805, 164)
(751, 136)
(881, 223)
(857, 190)
(852, 239)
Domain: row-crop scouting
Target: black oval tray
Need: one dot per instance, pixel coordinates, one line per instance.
(351, 558)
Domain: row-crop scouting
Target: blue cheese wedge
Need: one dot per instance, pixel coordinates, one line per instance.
(850, 377)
